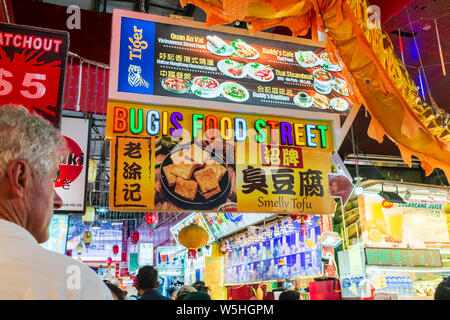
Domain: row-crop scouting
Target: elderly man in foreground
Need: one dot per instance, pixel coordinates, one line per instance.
(30, 152)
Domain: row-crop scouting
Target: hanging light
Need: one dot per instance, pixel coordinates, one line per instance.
(303, 228)
(135, 237)
(92, 170)
(359, 190)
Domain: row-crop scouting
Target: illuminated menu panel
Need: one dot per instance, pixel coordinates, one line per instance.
(403, 257)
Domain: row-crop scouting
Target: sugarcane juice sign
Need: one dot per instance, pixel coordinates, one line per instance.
(411, 222)
(172, 159)
(176, 62)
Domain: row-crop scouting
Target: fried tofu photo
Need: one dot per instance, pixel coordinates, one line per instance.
(206, 179)
(183, 170)
(186, 188)
(211, 193)
(219, 170)
(171, 178)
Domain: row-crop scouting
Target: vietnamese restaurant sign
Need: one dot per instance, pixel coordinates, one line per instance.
(182, 159)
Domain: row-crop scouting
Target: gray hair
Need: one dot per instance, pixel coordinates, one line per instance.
(28, 137)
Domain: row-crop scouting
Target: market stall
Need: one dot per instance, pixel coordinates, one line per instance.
(397, 237)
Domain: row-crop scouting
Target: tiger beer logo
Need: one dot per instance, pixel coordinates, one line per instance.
(386, 204)
(71, 167)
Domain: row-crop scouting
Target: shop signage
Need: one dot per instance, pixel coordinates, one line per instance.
(71, 183)
(399, 257)
(32, 69)
(410, 222)
(172, 159)
(145, 254)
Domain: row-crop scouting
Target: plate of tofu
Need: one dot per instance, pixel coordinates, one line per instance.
(195, 178)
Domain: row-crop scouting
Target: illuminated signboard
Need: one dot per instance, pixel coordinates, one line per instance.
(403, 257)
(33, 64)
(157, 58)
(58, 228)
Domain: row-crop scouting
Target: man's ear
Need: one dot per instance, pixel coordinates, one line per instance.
(18, 177)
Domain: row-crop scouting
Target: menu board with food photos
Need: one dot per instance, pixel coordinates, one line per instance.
(193, 66)
(281, 252)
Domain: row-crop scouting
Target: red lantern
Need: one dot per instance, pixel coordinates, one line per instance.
(69, 252)
(108, 260)
(151, 218)
(135, 237)
(115, 249)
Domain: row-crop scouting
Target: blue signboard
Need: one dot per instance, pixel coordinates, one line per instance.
(137, 53)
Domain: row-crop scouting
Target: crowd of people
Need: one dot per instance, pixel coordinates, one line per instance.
(30, 153)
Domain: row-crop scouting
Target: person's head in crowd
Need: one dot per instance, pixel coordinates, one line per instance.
(172, 292)
(198, 285)
(30, 153)
(198, 295)
(116, 292)
(443, 290)
(289, 295)
(146, 279)
(184, 290)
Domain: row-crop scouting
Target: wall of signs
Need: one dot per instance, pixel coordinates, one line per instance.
(71, 183)
(33, 68)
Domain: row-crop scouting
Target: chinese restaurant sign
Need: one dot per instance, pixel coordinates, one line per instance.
(383, 222)
(32, 69)
(71, 183)
(188, 65)
(170, 159)
(403, 257)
